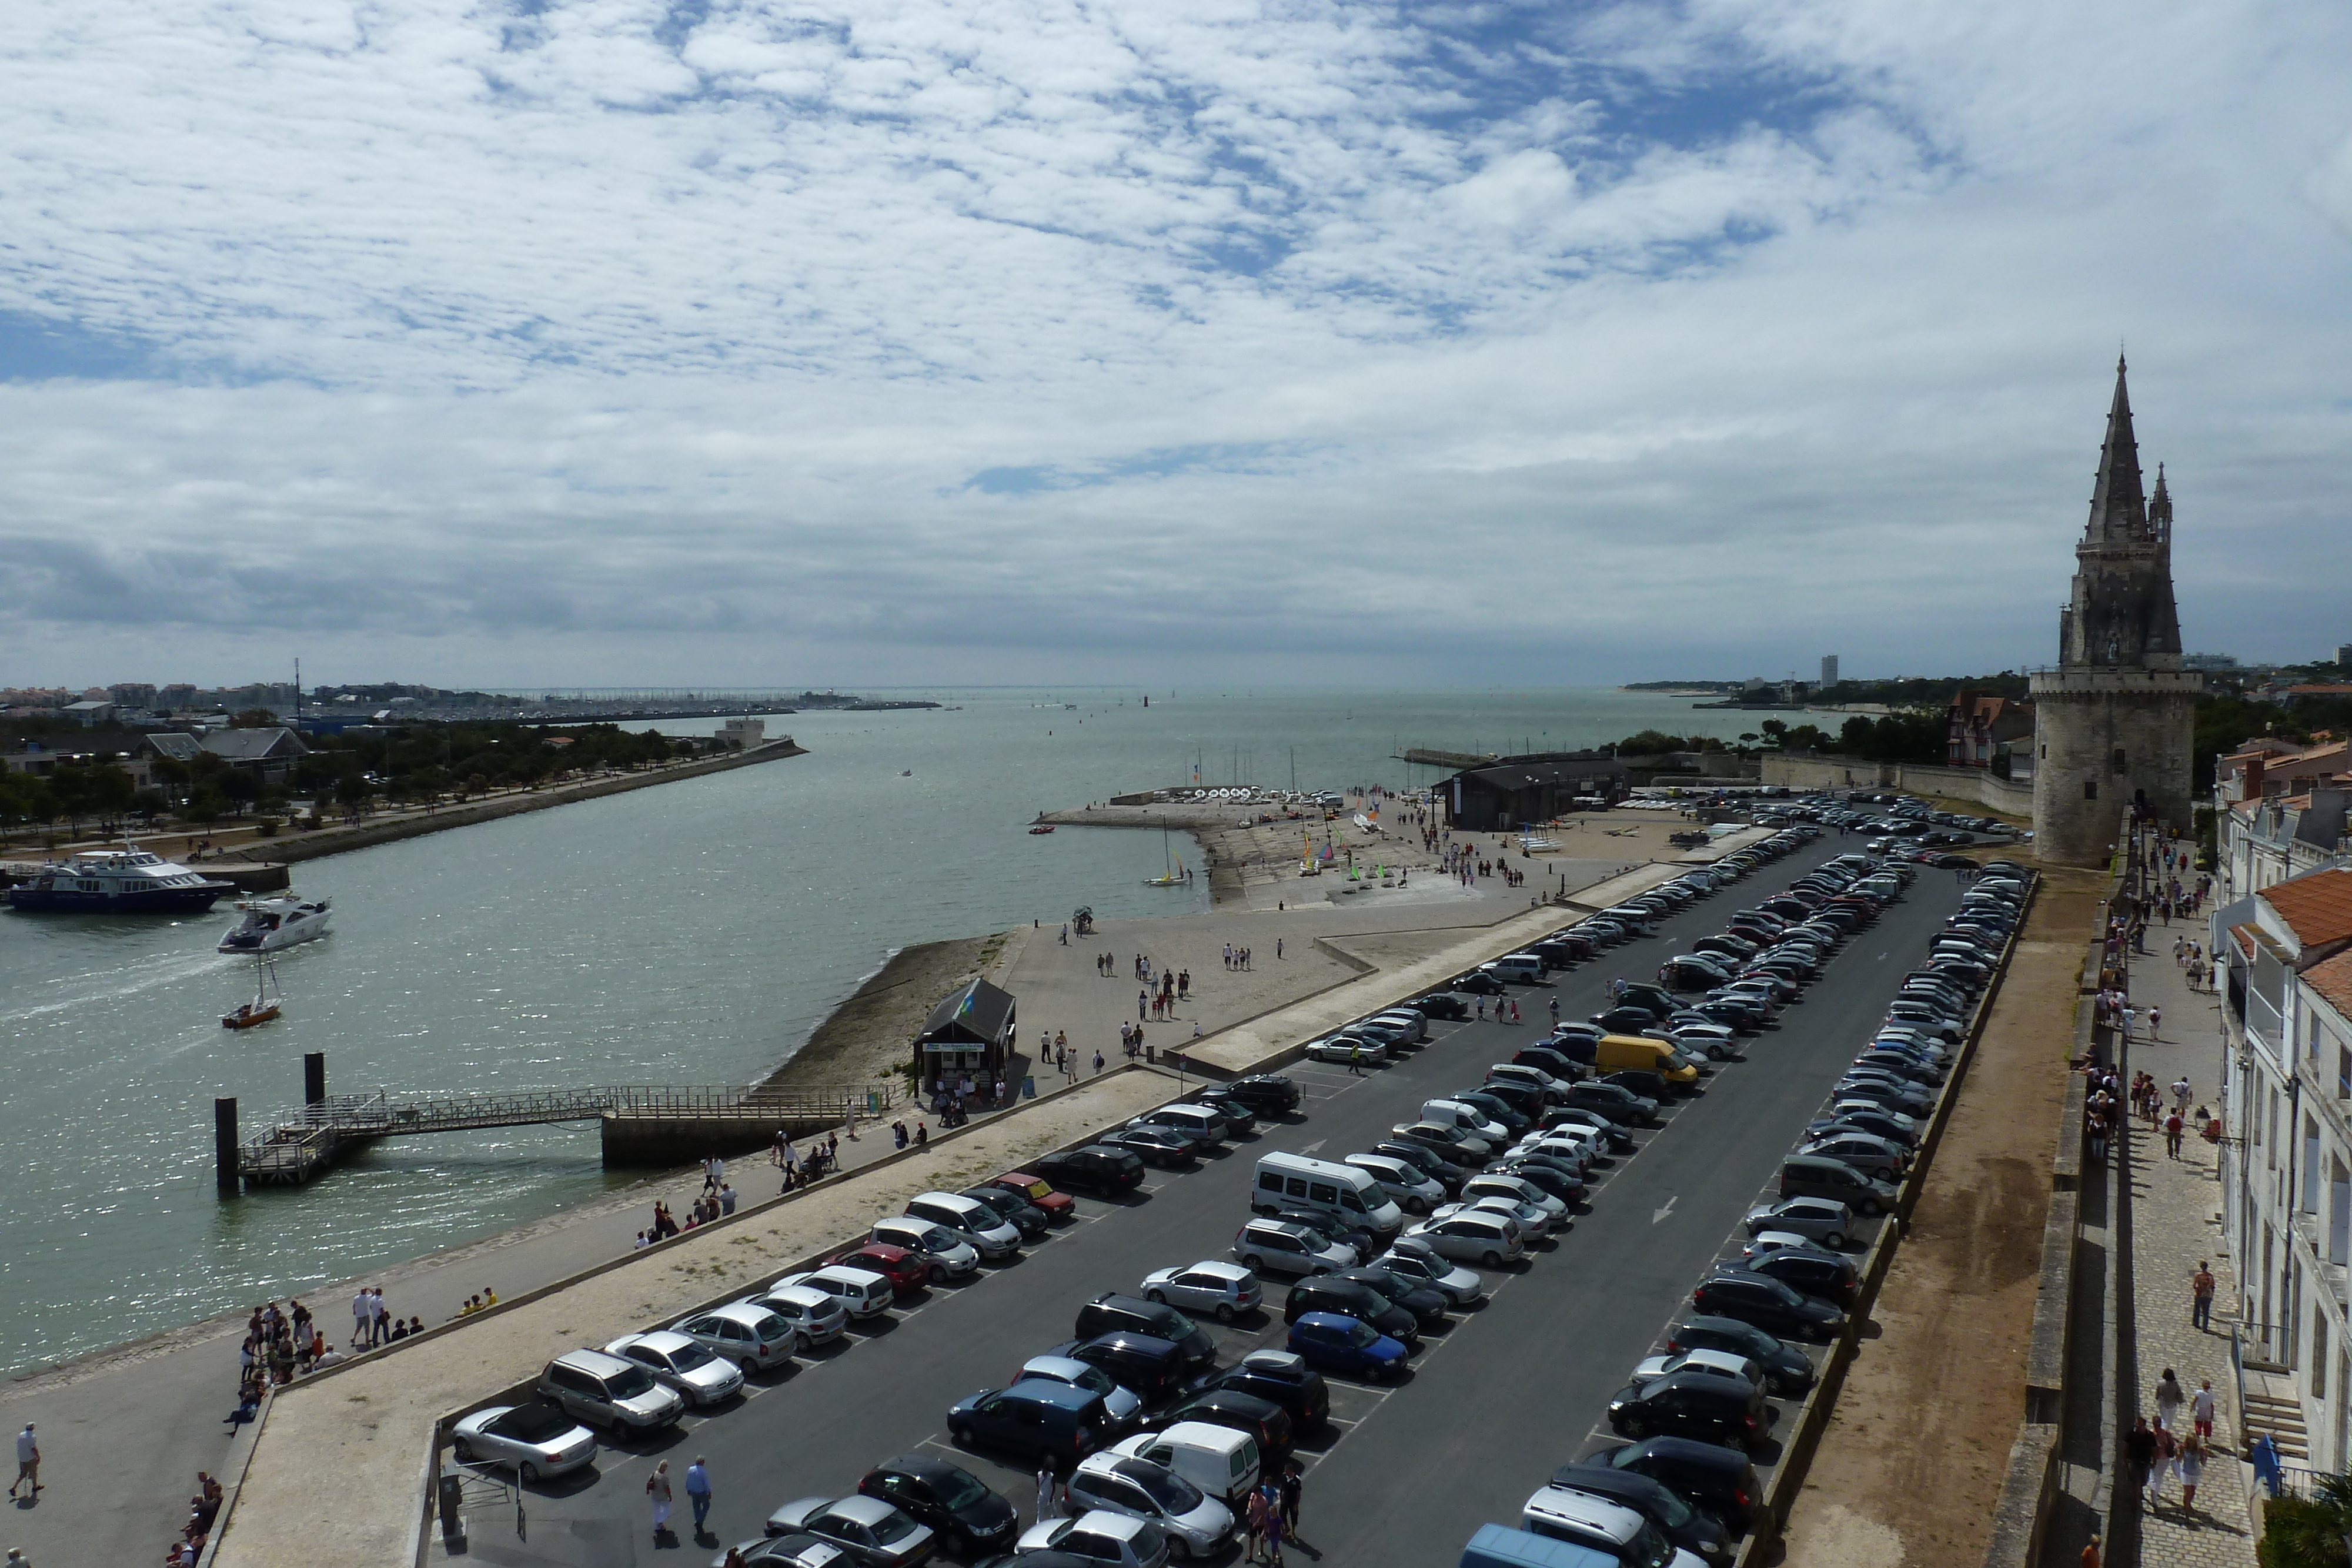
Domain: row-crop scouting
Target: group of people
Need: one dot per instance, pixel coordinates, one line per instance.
(203, 1508)
(1236, 959)
(2161, 1451)
(481, 1302)
(800, 1170)
(2189, 956)
(921, 1136)
(1269, 1518)
(282, 1343)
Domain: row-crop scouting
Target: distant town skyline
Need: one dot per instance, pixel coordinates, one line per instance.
(1309, 343)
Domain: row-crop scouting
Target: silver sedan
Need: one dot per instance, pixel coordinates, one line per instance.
(537, 1439)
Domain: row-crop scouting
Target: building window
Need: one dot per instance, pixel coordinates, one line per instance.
(2318, 1354)
(2119, 760)
(2343, 1073)
(2045, 752)
(2090, 789)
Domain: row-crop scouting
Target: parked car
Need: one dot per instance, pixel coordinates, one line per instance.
(873, 1532)
(748, 1334)
(1766, 1303)
(1722, 1363)
(1721, 1480)
(1153, 1368)
(1689, 1528)
(538, 1439)
(1112, 1312)
(1824, 1276)
(1352, 1298)
(1270, 1094)
(1413, 1258)
(1347, 1047)
(1427, 1305)
(685, 1364)
(1122, 1405)
(905, 1270)
(1015, 1210)
(1286, 1247)
(1261, 1419)
(1472, 1236)
(1183, 1512)
(1095, 1169)
(1285, 1379)
(1170, 1148)
(1037, 1190)
(816, 1317)
(971, 1221)
(945, 1256)
(1331, 1343)
(1691, 1403)
(946, 1498)
(1042, 1422)
(1607, 1530)
(1224, 1291)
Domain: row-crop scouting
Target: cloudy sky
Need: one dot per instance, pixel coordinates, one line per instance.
(602, 342)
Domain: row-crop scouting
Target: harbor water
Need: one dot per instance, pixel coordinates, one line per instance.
(693, 933)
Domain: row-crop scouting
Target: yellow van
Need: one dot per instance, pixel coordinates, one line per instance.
(1621, 1052)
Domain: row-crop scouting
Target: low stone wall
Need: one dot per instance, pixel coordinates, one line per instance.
(1809, 770)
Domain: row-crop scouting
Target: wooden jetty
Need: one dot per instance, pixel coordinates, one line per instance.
(642, 1124)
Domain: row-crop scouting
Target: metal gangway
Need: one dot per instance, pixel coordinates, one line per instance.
(304, 1144)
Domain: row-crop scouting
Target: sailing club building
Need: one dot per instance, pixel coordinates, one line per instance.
(969, 1035)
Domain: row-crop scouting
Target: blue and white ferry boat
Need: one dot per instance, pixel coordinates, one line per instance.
(119, 882)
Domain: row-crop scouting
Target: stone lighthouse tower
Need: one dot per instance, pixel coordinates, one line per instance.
(2113, 722)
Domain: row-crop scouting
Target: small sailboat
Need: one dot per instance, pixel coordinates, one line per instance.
(264, 1006)
(1175, 876)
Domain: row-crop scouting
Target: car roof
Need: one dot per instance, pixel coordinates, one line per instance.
(1044, 1391)
(596, 1362)
(664, 1340)
(1061, 1367)
(922, 1466)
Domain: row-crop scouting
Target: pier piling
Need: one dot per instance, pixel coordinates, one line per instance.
(314, 1078)
(225, 1150)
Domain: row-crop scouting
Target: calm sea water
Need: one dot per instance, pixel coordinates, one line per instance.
(694, 932)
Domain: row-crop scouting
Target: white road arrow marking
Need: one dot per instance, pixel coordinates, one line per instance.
(1315, 1146)
(1658, 1214)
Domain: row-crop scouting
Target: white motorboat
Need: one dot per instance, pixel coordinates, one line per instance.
(271, 924)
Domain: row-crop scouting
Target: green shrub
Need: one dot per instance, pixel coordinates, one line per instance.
(2300, 1533)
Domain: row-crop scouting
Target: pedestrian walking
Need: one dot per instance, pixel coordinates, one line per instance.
(698, 1492)
(1098, 1059)
(2139, 1452)
(657, 1488)
(2161, 1470)
(2200, 1410)
(28, 1464)
(2201, 1298)
(363, 1314)
(2170, 1398)
(1355, 1060)
(2173, 1126)
(2091, 1552)
(1254, 1522)
(2192, 1471)
(1273, 1525)
(1045, 1508)
(2181, 1092)
(1294, 1480)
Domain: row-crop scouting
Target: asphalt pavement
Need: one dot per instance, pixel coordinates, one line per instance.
(1491, 1405)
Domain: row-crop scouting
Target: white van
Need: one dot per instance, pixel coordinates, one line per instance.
(1457, 1113)
(1518, 969)
(1221, 1460)
(1296, 1182)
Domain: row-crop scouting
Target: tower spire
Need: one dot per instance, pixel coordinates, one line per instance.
(2118, 508)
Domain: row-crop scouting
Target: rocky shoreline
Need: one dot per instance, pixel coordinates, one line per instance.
(868, 1036)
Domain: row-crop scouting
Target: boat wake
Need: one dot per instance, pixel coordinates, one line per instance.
(77, 991)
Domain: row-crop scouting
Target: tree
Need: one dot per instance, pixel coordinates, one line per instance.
(352, 793)
(110, 789)
(70, 787)
(254, 718)
(150, 804)
(1776, 730)
(1649, 743)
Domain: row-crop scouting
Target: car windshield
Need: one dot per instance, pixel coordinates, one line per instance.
(1171, 1492)
(958, 1488)
(686, 1357)
(1360, 1334)
(1094, 1380)
(628, 1385)
(939, 1241)
(1650, 1547)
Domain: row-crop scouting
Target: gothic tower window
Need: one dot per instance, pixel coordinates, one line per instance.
(2090, 790)
(2119, 760)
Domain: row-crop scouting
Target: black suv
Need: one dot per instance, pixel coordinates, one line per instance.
(1284, 1379)
(1439, 1005)
(1614, 1101)
(1097, 1168)
(1693, 1529)
(1770, 1305)
(1263, 1419)
(1426, 1160)
(1146, 1364)
(1427, 1306)
(1268, 1093)
(1719, 1479)
(1111, 1312)
(1016, 1211)
(1689, 1404)
(1351, 1299)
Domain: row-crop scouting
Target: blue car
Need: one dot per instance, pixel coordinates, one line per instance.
(1333, 1342)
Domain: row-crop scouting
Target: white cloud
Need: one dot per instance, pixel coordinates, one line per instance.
(771, 334)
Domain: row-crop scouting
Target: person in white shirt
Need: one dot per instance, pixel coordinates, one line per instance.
(363, 1314)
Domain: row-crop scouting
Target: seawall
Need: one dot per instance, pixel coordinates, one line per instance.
(390, 829)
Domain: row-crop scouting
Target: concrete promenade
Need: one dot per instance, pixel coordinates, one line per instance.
(2176, 1225)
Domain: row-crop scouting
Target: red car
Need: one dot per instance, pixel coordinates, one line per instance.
(903, 1271)
(1058, 1207)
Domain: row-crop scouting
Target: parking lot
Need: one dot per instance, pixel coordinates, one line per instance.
(1407, 1472)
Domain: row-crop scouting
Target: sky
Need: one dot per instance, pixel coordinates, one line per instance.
(599, 342)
